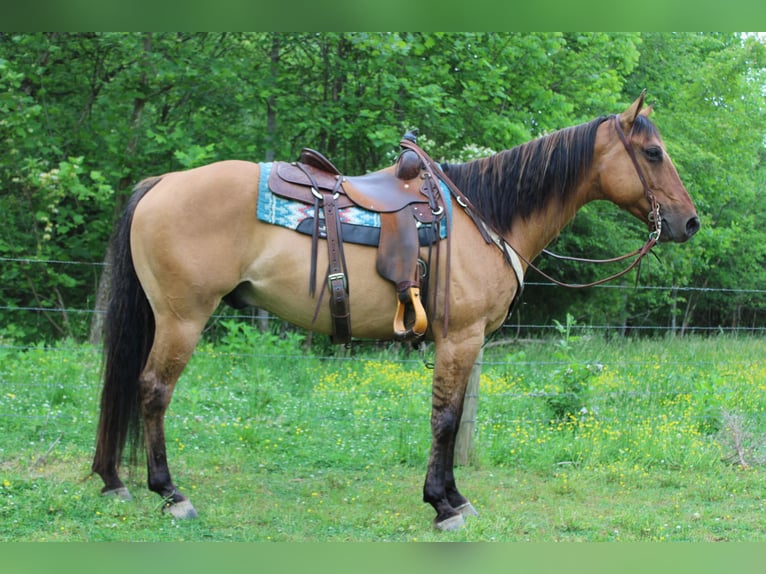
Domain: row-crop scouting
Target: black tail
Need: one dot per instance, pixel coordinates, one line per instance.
(128, 337)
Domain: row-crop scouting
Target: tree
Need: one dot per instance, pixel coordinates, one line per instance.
(710, 105)
(83, 117)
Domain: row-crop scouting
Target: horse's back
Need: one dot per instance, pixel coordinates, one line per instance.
(196, 238)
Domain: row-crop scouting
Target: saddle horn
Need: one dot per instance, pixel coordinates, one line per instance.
(408, 164)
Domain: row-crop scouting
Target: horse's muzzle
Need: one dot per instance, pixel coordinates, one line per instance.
(692, 226)
(679, 233)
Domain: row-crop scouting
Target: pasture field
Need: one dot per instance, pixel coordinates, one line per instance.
(578, 438)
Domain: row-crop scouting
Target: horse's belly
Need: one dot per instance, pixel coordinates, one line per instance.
(278, 280)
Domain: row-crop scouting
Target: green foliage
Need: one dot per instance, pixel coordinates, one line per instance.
(568, 396)
(240, 337)
(273, 443)
(645, 403)
(84, 116)
(712, 117)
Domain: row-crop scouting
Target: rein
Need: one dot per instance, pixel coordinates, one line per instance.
(654, 218)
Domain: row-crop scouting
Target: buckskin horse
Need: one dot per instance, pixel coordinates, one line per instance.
(190, 239)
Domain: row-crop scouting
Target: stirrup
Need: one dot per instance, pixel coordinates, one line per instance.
(420, 324)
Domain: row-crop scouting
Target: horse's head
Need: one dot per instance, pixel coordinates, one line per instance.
(637, 174)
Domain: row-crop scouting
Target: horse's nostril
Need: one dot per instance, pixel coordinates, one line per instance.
(692, 226)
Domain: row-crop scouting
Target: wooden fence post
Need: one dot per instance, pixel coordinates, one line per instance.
(464, 441)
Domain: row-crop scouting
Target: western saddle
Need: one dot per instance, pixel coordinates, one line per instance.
(406, 198)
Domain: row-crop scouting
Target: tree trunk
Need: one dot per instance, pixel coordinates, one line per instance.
(271, 136)
(103, 291)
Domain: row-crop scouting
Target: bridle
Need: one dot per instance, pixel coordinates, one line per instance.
(655, 219)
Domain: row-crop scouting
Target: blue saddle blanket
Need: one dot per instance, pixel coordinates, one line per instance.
(357, 225)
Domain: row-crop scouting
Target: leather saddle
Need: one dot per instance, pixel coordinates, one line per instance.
(405, 196)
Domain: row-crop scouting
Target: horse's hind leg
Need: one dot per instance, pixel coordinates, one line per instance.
(174, 343)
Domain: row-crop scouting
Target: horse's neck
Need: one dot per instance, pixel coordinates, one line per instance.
(530, 236)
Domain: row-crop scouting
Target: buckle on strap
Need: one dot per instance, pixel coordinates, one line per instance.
(332, 277)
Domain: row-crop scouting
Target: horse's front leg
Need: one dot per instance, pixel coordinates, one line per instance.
(454, 360)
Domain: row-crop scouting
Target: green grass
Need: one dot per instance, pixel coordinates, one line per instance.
(578, 439)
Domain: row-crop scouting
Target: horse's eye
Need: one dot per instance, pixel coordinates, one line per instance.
(653, 153)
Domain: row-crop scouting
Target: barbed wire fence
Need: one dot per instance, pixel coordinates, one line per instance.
(506, 335)
(512, 324)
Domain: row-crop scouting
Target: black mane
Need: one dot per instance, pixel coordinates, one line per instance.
(523, 179)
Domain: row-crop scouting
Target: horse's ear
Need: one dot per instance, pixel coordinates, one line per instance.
(629, 116)
(646, 111)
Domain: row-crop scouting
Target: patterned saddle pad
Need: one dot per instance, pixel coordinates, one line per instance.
(357, 225)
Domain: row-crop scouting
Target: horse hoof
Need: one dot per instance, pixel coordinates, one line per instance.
(121, 493)
(467, 509)
(452, 523)
(182, 510)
